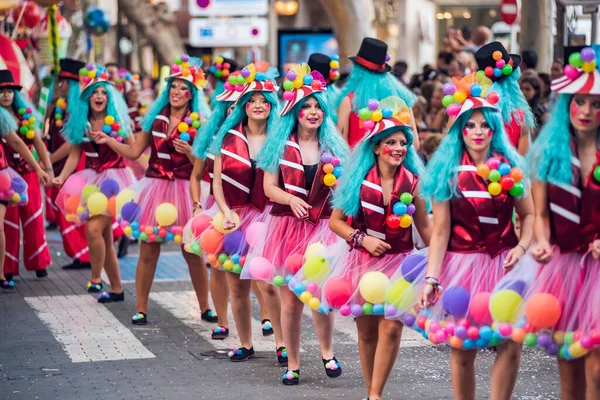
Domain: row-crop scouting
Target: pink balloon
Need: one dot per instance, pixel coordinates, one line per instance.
(255, 232)
(260, 268)
(345, 310)
(4, 182)
(453, 109)
(571, 72)
(74, 185)
(312, 287)
(199, 224)
(479, 308)
(293, 263)
(288, 96)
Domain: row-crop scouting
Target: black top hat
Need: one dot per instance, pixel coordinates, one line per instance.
(485, 58)
(8, 81)
(69, 69)
(233, 65)
(372, 55)
(320, 62)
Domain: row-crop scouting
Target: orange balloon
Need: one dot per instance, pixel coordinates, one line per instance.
(483, 170)
(516, 174)
(543, 310)
(211, 240)
(212, 259)
(456, 342)
(328, 168)
(72, 203)
(518, 335)
(112, 206)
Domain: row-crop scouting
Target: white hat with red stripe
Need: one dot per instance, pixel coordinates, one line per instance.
(301, 82)
(185, 68)
(255, 77)
(379, 116)
(468, 93)
(232, 89)
(91, 75)
(581, 74)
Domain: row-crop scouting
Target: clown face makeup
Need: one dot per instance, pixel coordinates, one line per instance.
(477, 133)
(179, 95)
(258, 108)
(99, 99)
(310, 116)
(392, 149)
(584, 112)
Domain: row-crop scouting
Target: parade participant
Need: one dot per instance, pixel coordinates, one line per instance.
(370, 79)
(131, 91)
(89, 195)
(503, 69)
(294, 161)
(159, 205)
(382, 175)
(66, 92)
(36, 256)
(560, 308)
(238, 191)
(329, 69)
(218, 75)
(473, 244)
(13, 186)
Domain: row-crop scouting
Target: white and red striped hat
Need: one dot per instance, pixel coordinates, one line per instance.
(382, 115)
(468, 93)
(581, 74)
(300, 82)
(259, 77)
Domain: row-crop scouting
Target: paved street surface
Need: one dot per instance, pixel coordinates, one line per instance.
(57, 342)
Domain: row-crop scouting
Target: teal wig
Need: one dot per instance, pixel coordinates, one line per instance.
(512, 100)
(368, 85)
(440, 179)
(238, 115)
(329, 138)
(219, 88)
(209, 129)
(332, 95)
(346, 196)
(163, 99)
(72, 96)
(78, 122)
(7, 122)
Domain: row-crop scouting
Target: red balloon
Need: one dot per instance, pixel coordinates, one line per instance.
(479, 308)
(338, 291)
(493, 98)
(507, 182)
(211, 241)
(4, 182)
(31, 16)
(543, 310)
(393, 221)
(200, 223)
(293, 263)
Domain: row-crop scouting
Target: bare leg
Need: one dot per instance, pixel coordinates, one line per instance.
(94, 229)
(261, 302)
(572, 379)
(272, 304)
(592, 375)
(368, 335)
(462, 369)
(291, 325)
(219, 291)
(388, 345)
(505, 371)
(111, 263)
(2, 240)
(241, 307)
(324, 329)
(144, 273)
(199, 277)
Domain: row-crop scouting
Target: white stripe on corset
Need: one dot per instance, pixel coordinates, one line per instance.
(477, 194)
(165, 156)
(163, 118)
(16, 155)
(33, 217)
(235, 183)
(15, 259)
(91, 154)
(376, 234)
(488, 220)
(373, 207)
(131, 109)
(466, 168)
(211, 156)
(296, 189)
(575, 161)
(211, 175)
(12, 225)
(569, 188)
(291, 164)
(563, 212)
(236, 133)
(38, 251)
(373, 186)
(236, 156)
(290, 143)
(159, 134)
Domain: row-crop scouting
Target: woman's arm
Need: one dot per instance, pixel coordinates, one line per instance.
(40, 147)
(542, 252)
(299, 207)
(344, 117)
(70, 165)
(61, 153)
(421, 219)
(523, 144)
(339, 225)
(195, 182)
(184, 148)
(524, 208)
(18, 145)
(132, 150)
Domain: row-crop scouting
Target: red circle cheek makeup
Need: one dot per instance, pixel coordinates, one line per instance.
(386, 149)
(301, 114)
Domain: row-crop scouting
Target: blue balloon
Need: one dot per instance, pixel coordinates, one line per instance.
(185, 136)
(387, 112)
(299, 289)
(136, 234)
(482, 343)
(337, 171)
(107, 129)
(476, 90)
(288, 279)
(486, 333)
(455, 301)
(504, 169)
(378, 309)
(400, 208)
(170, 236)
(235, 258)
(469, 344)
(497, 72)
(307, 80)
(156, 230)
(134, 225)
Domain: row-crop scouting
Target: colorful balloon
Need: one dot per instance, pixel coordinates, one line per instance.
(372, 286)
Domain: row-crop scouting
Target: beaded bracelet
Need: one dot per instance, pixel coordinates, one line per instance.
(357, 238)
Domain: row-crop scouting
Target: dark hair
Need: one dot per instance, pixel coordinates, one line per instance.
(446, 55)
(432, 142)
(401, 67)
(530, 58)
(467, 32)
(112, 64)
(544, 77)
(537, 107)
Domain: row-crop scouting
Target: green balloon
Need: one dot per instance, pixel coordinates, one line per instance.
(367, 309)
(218, 73)
(531, 339)
(232, 79)
(406, 198)
(568, 338)
(447, 100)
(196, 124)
(507, 69)
(143, 236)
(517, 190)
(241, 80)
(83, 71)
(222, 258)
(23, 130)
(177, 60)
(364, 113)
(237, 269)
(22, 111)
(494, 341)
(159, 239)
(575, 60)
(597, 174)
(480, 74)
(278, 281)
(494, 176)
(196, 249)
(288, 85)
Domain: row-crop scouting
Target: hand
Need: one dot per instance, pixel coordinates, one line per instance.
(595, 248)
(50, 173)
(43, 177)
(228, 220)
(182, 147)
(513, 257)
(428, 296)
(100, 137)
(542, 252)
(299, 207)
(375, 246)
(58, 181)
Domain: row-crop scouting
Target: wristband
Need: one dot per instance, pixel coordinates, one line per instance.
(48, 169)
(519, 245)
(356, 238)
(197, 204)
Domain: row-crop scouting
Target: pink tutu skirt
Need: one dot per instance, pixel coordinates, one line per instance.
(560, 309)
(227, 250)
(88, 193)
(13, 188)
(287, 240)
(159, 210)
(349, 280)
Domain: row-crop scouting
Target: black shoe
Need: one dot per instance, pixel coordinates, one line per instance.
(267, 327)
(209, 316)
(94, 287)
(291, 377)
(41, 273)
(333, 368)
(241, 354)
(282, 357)
(139, 318)
(9, 277)
(51, 226)
(111, 297)
(76, 264)
(7, 284)
(219, 333)
(123, 246)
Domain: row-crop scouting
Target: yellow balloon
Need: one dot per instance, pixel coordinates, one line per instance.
(576, 350)
(109, 120)
(494, 188)
(70, 217)
(298, 83)
(305, 297)
(313, 250)
(588, 67)
(88, 190)
(228, 265)
(178, 239)
(128, 230)
(183, 127)
(314, 303)
(505, 305)
(187, 247)
(219, 60)
(376, 116)
(316, 268)
(460, 96)
(124, 196)
(405, 221)
(16, 198)
(80, 209)
(329, 179)
(97, 203)
(401, 294)
(30, 135)
(334, 64)
(217, 222)
(166, 214)
(559, 337)
(372, 286)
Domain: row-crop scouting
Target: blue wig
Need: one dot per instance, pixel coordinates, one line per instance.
(162, 101)
(219, 88)
(440, 179)
(78, 124)
(347, 194)
(239, 114)
(72, 96)
(210, 128)
(7, 122)
(368, 85)
(332, 96)
(512, 100)
(329, 138)
(550, 156)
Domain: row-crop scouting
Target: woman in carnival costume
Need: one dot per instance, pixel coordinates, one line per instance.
(218, 76)
(370, 79)
(130, 84)
(157, 208)
(329, 68)
(13, 188)
(379, 191)
(242, 206)
(475, 182)
(561, 312)
(502, 68)
(65, 93)
(299, 172)
(36, 256)
(89, 195)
